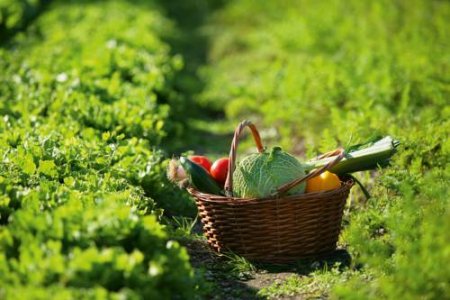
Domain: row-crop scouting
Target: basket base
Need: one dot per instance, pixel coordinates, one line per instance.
(340, 255)
(277, 230)
(278, 258)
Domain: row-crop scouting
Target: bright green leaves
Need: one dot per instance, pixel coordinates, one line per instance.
(48, 167)
(110, 78)
(107, 245)
(320, 76)
(303, 76)
(84, 105)
(28, 165)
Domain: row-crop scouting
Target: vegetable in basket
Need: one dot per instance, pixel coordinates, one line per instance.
(372, 156)
(324, 182)
(367, 156)
(269, 172)
(202, 161)
(219, 169)
(199, 178)
(259, 175)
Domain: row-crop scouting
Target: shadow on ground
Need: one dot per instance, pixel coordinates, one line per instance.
(307, 266)
(220, 271)
(225, 284)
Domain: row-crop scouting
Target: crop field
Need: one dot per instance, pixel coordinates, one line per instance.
(97, 97)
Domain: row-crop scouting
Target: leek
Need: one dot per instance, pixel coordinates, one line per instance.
(374, 156)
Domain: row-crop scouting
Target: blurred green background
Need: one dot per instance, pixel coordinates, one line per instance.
(97, 95)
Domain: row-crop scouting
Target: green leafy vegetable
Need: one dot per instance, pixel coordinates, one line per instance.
(259, 175)
(200, 178)
(85, 103)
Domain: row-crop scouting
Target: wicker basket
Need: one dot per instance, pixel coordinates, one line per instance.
(275, 229)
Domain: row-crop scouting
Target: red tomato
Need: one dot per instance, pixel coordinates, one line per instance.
(219, 169)
(202, 161)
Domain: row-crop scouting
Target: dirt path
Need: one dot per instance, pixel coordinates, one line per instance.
(228, 277)
(234, 279)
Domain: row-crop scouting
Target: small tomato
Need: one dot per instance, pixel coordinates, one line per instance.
(219, 169)
(202, 161)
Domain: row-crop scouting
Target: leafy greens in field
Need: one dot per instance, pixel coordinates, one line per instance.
(321, 72)
(81, 122)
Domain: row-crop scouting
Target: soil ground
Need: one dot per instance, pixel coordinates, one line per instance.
(231, 279)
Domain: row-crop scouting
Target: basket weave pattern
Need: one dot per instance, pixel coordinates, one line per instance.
(278, 228)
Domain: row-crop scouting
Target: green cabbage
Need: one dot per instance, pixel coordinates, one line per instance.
(260, 174)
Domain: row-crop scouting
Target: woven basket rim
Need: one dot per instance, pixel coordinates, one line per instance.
(345, 185)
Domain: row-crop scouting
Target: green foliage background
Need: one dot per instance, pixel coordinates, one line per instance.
(96, 95)
(322, 73)
(85, 109)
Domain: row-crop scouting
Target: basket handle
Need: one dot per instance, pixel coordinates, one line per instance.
(232, 156)
(286, 187)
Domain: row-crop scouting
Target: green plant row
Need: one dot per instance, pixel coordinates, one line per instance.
(325, 73)
(102, 82)
(91, 247)
(85, 101)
